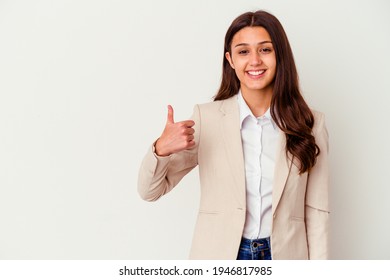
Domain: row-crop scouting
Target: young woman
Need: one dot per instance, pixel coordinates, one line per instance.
(261, 152)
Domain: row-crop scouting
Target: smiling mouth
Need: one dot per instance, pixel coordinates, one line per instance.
(256, 73)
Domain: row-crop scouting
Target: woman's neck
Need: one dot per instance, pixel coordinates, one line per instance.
(258, 101)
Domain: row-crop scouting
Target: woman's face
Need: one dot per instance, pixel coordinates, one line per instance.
(253, 58)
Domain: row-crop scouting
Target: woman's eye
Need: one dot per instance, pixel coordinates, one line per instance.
(265, 50)
(243, 52)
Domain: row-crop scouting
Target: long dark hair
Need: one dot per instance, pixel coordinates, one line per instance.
(288, 108)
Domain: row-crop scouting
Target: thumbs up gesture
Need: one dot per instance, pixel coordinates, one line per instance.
(176, 137)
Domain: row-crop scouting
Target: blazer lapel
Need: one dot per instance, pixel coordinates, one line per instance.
(232, 140)
(282, 171)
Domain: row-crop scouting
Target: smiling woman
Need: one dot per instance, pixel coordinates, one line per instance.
(261, 152)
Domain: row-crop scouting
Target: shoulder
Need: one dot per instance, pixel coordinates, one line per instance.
(318, 116)
(319, 122)
(219, 106)
(210, 105)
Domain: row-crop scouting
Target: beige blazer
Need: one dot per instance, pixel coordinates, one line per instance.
(299, 202)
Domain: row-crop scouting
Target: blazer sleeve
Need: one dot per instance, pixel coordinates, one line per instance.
(317, 196)
(159, 175)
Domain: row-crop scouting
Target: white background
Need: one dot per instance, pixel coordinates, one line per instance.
(84, 86)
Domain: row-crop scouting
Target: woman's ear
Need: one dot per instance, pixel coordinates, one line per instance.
(229, 58)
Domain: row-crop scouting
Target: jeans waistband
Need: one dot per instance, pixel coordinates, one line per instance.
(260, 243)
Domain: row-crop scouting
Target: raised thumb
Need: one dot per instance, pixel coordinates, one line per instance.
(170, 115)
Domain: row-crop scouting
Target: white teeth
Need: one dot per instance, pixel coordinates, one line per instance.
(255, 73)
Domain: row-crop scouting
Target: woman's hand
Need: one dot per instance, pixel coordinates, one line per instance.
(176, 137)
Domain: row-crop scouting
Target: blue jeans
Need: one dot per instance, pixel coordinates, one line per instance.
(255, 249)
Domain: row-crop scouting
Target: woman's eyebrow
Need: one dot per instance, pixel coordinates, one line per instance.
(246, 44)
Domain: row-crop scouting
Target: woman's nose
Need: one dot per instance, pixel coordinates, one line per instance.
(255, 59)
